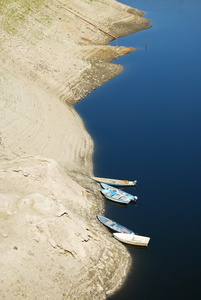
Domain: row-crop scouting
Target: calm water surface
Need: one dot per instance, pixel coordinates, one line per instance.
(146, 125)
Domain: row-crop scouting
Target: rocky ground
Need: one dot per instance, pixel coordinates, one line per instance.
(52, 54)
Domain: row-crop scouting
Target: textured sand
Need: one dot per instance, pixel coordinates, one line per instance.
(53, 54)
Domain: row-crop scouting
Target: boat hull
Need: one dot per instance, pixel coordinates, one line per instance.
(114, 225)
(116, 182)
(132, 239)
(116, 195)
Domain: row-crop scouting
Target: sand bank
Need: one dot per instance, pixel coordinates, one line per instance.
(53, 53)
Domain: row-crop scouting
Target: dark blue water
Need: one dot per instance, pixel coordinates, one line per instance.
(146, 125)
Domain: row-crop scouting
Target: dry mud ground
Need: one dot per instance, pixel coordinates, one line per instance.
(52, 54)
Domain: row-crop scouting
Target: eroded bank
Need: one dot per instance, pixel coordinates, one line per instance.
(53, 53)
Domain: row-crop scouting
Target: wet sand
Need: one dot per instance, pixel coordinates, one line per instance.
(52, 55)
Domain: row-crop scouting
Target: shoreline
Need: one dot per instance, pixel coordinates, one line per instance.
(51, 59)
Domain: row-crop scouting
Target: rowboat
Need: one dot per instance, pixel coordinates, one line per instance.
(114, 225)
(132, 239)
(116, 182)
(116, 195)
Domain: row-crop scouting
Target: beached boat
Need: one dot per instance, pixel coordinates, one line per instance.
(116, 195)
(132, 239)
(116, 182)
(114, 225)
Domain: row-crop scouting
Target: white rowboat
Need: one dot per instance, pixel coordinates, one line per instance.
(116, 182)
(132, 239)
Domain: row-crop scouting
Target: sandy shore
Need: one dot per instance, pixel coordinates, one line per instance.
(53, 54)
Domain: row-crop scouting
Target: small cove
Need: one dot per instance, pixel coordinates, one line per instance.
(146, 126)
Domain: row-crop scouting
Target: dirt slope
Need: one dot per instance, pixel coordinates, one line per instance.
(52, 54)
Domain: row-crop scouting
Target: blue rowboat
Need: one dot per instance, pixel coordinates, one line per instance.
(116, 195)
(114, 225)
